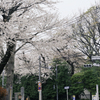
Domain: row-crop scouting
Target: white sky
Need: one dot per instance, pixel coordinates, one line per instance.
(69, 8)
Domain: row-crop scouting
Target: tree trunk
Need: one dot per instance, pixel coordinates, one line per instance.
(6, 57)
(72, 69)
(77, 97)
(72, 66)
(10, 75)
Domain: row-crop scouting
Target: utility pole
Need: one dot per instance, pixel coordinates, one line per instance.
(40, 83)
(56, 83)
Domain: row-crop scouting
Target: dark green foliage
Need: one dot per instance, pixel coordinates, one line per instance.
(62, 77)
(90, 80)
(77, 86)
(29, 82)
(30, 86)
(49, 90)
(17, 83)
(87, 79)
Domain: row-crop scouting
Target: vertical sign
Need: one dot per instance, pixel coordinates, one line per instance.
(73, 97)
(97, 92)
(22, 93)
(39, 86)
(16, 97)
(93, 97)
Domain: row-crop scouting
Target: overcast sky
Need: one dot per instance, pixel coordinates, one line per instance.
(69, 8)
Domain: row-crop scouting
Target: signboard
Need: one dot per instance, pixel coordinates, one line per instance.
(93, 97)
(95, 57)
(39, 86)
(94, 64)
(73, 97)
(66, 87)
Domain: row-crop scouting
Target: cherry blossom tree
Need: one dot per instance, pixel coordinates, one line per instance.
(21, 23)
